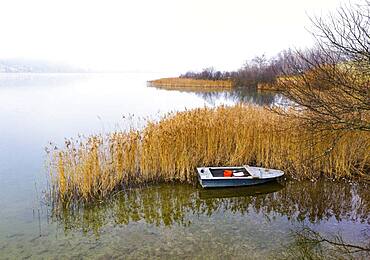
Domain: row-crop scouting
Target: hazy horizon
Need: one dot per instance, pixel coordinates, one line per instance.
(161, 36)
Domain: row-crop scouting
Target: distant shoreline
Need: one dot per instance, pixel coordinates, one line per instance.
(82, 72)
(193, 83)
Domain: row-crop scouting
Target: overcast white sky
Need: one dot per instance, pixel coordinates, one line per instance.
(160, 35)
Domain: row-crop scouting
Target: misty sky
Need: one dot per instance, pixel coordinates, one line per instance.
(160, 35)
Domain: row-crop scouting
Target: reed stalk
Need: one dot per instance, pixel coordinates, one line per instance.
(171, 149)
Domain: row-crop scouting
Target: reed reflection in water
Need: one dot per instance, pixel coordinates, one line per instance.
(236, 95)
(310, 244)
(168, 204)
(265, 221)
(243, 95)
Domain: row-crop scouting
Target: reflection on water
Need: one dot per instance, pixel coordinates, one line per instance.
(240, 191)
(161, 205)
(271, 215)
(243, 95)
(310, 244)
(175, 204)
(237, 95)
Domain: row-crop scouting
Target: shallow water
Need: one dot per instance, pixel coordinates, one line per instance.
(160, 221)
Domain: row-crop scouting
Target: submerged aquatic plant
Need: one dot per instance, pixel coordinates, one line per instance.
(171, 149)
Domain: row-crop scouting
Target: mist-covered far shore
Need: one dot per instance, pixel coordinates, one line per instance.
(20, 65)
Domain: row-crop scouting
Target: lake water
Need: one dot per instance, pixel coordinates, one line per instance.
(279, 220)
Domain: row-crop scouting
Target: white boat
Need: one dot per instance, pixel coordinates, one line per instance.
(213, 177)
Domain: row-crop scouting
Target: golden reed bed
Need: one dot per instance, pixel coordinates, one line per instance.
(191, 83)
(171, 149)
(268, 87)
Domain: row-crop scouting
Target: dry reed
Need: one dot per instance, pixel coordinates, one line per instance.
(171, 149)
(191, 83)
(268, 87)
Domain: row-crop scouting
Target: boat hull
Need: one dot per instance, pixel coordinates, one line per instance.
(215, 177)
(231, 182)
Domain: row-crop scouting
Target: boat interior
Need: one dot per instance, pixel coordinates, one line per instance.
(219, 172)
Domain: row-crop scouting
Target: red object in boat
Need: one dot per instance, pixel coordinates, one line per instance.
(228, 173)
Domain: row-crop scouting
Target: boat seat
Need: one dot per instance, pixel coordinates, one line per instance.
(238, 174)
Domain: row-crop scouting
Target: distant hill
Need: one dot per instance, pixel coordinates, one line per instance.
(36, 66)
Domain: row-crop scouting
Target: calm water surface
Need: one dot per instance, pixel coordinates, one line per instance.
(279, 220)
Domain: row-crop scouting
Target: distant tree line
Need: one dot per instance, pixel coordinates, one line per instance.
(208, 74)
(260, 69)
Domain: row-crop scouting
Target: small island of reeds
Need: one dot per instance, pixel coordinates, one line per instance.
(180, 82)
